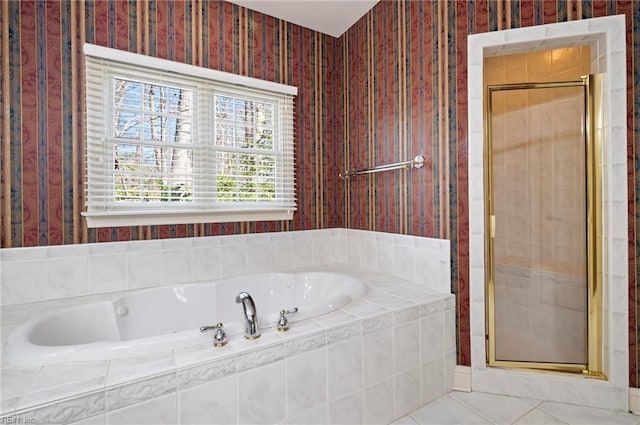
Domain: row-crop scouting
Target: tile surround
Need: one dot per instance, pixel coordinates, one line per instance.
(157, 411)
(280, 383)
(607, 35)
(53, 272)
(347, 410)
(220, 406)
(301, 370)
(396, 307)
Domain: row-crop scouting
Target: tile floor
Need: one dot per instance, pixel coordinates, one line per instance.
(482, 408)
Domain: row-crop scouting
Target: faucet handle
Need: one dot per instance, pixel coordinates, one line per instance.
(209, 327)
(283, 322)
(220, 337)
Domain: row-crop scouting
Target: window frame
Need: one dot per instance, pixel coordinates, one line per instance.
(103, 211)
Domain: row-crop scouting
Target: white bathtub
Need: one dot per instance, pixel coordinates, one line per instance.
(167, 318)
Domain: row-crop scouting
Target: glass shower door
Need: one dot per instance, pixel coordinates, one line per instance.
(538, 262)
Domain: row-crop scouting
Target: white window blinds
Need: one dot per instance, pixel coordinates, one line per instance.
(171, 143)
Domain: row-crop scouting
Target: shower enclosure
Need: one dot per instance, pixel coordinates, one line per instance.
(542, 158)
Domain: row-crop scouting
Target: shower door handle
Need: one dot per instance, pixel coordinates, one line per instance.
(492, 226)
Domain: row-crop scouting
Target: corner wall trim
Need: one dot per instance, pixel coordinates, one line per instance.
(634, 400)
(462, 379)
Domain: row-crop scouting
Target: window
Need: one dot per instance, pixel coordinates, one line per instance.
(172, 143)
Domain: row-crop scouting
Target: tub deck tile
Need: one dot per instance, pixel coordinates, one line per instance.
(64, 380)
(334, 318)
(189, 356)
(123, 370)
(15, 382)
(386, 300)
(362, 309)
(125, 382)
(9, 404)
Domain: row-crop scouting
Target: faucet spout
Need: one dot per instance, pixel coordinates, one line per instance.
(251, 331)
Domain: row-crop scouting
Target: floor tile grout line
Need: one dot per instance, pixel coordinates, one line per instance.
(471, 408)
(533, 408)
(447, 395)
(538, 402)
(423, 407)
(555, 416)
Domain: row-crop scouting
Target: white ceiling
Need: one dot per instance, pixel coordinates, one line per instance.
(331, 17)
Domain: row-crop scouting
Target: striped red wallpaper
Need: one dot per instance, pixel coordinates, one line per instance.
(393, 86)
(406, 76)
(42, 98)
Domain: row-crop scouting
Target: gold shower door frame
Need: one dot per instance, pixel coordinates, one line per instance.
(593, 126)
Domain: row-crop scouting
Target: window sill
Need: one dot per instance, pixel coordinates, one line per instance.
(148, 218)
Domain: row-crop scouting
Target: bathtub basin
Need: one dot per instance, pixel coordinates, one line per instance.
(167, 318)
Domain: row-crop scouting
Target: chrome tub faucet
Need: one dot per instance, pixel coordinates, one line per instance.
(251, 331)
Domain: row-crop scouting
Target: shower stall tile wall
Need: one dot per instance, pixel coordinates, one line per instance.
(375, 359)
